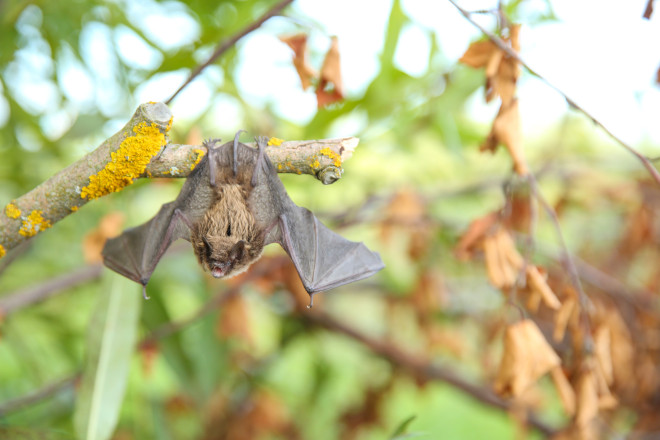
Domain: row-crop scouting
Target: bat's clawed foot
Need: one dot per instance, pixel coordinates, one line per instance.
(211, 143)
(238, 134)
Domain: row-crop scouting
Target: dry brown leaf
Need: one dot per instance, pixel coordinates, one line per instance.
(527, 356)
(537, 282)
(506, 130)
(503, 262)
(330, 75)
(496, 274)
(501, 70)
(479, 54)
(564, 389)
(477, 230)
(534, 301)
(562, 317)
(602, 342)
(299, 45)
(109, 226)
(587, 399)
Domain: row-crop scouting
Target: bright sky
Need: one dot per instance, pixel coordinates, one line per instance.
(600, 52)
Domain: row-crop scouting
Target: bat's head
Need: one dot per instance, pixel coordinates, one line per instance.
(224, 256)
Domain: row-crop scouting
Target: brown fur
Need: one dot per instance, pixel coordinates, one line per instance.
(229, 213)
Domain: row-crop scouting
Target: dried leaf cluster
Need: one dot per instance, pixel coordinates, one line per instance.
(329, 88)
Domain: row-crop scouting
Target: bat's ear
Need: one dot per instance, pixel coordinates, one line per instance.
(237, 251)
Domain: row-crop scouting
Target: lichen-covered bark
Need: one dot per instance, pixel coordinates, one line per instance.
(136, 151)
(321, 158)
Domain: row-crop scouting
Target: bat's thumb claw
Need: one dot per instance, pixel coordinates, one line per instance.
(144, 292)
(311, 301)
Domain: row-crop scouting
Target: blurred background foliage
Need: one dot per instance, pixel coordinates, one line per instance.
(73, 72)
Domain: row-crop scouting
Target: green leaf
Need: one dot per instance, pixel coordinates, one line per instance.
(110, 344)
(401, 429)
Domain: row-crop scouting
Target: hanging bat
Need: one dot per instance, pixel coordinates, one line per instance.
(231, 206)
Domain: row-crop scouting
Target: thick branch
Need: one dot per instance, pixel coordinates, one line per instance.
(133, 152)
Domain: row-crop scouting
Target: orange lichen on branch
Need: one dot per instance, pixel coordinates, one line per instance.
(12, 211)
(3, 252)
(275, 142)
(200, 154)
(127, 163)
(33, 224)
(332, 155)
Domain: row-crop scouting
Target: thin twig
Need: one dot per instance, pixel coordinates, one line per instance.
(420, 367)
(511, 53)
(38, 395)
(34, 294)
(227, 44)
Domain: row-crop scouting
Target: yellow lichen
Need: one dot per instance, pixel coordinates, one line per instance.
(279, 166)
(74, 208)
(275, 142)
(332, 155)
(200, 155)
(2, 251)
(33, 224)
(127, 163)
(12, 211)
(315, 164)
(169, 124)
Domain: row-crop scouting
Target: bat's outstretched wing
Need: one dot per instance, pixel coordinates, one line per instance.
(324, 259)
(136, 252)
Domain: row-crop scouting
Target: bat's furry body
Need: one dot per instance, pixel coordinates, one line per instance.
(231, 206)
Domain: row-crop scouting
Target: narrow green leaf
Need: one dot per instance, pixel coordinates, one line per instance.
(110, 343)
(401, 429)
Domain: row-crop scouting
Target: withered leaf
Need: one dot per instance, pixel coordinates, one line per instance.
(298, 43)
(527, 356)
(506, 130)
(330, 88)
(474, 234)
(537, 282)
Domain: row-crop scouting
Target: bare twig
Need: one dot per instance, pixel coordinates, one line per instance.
(511, 53)
(419, 366)
(227, 44)
(37, 395)
(33, 294)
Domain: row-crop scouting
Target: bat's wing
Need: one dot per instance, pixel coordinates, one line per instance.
(324, 259)
(136, 252)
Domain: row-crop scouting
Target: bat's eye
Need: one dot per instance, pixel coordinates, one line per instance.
(229, 230)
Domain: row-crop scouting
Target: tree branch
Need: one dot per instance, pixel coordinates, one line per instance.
(511, 53)
(133, 152)
(420, 367)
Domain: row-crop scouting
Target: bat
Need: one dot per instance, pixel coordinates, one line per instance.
(231, 206)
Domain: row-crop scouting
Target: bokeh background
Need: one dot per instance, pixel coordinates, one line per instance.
(252, 364)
